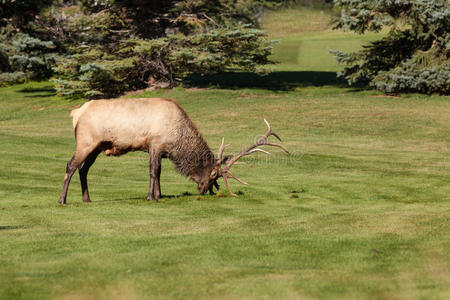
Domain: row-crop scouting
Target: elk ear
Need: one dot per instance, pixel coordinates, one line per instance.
(195, 178)
(216, 172)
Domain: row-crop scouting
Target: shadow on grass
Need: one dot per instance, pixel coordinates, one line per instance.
(45, 91)
(284, 81)
(184, 194)
(163, 197)
(11, 227)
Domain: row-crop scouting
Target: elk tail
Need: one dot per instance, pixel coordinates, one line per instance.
(76, 114)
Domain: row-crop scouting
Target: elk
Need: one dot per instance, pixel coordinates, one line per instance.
(158, 126)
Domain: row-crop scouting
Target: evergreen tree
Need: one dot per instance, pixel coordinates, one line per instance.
(111, 46)
(415, 54)
(19, 13)
(129, 44)
(4, 61)
(26, 51)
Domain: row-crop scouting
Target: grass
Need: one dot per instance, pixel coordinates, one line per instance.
(359, 211)
(305, 38)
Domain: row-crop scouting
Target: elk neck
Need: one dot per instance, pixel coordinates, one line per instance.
(191, 154)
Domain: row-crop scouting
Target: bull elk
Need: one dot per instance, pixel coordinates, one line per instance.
(158, 126)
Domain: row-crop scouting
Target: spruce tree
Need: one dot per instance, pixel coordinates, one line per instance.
(414, 56)
(24, 51)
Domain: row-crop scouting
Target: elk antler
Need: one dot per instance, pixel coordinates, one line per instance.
(221, 148)
(246, 151)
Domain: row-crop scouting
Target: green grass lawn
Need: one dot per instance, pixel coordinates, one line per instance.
(359, 211)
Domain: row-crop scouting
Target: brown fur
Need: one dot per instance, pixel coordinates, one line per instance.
(156, 125)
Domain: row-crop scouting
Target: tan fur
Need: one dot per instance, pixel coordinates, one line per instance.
(76, 113)
(127, 123)
(123, 125)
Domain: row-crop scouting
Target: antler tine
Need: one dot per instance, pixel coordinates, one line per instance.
(275, 135)
(221, 148)
(252, 148)
(279, 146)
(237, 178)
(270, 132)
(268, 125)
(258, 150)
(246, 151)
(225, 179)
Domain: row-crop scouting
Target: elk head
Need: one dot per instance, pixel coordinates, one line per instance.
(222, 165)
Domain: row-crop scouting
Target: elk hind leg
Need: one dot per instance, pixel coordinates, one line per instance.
(70, 169)
(155, 170)
(74, 163)
(83, 171)
(157, 181)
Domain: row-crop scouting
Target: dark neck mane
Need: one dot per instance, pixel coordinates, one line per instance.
(191, 154)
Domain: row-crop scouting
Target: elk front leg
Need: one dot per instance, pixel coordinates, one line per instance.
(211, 192)
(215, 184)
(155, 170)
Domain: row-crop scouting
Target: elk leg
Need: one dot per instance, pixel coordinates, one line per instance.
(74, 163)
(211, 191)
(152, 183)
(155, 164)
(70, 169)
(83, 171)
(157, 181)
